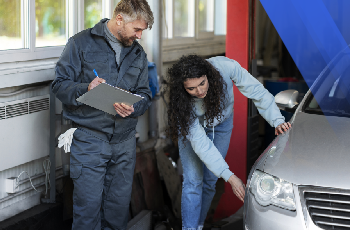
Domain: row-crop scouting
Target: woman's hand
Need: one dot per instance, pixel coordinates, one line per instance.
(284, 126)
(237, 186)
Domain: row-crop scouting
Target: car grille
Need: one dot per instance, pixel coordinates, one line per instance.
(328, 208)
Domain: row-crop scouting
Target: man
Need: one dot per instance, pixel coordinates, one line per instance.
(103, 148)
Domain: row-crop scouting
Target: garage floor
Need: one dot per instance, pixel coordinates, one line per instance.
(49, 216)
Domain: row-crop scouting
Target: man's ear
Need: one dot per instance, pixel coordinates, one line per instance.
(119, 19)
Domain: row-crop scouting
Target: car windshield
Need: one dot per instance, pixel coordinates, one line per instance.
(331, 95)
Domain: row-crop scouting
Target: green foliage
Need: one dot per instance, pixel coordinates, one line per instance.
(10, 18)
(50, 17)
(92, 12)
(181, 18)
(49, 14)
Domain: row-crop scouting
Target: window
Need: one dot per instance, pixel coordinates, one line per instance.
(200, 19)
(39, 29)
(206, 15)
(220, 17)
(11, 34)
(50, 23)
(193, 26)
(92, 12)
(184, 18)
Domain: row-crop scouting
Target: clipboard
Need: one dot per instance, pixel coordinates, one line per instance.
(103, 97)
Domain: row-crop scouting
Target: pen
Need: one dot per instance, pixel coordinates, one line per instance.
(95, 73)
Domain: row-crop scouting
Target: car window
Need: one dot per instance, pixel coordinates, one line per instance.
(331, 95)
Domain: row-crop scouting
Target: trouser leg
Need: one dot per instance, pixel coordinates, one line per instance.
(191, 200)
(87, 172)
(221, 141)
(118, 185)
(87, 197)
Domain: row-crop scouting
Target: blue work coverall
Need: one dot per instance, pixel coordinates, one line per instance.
(103, 149)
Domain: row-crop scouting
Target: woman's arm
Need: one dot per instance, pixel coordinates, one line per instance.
(207, 152)
(211, 157)
(253, 89)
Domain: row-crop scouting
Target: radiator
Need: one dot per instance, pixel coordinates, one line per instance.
(24, 130)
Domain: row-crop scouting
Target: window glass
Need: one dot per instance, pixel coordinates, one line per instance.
(184, 18)
(168, 19)
(92, 12)
(331, 95)
(50, 21)
(10, 25)
(220, 17)
(206, 15)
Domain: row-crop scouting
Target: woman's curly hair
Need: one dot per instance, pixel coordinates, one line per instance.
(181, 105)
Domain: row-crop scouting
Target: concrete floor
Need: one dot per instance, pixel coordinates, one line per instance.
(234, 222)
(49, 216)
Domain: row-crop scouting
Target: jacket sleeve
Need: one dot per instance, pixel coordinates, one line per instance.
(142, 89)
(66, 85)
(207, 152)
(253, 89)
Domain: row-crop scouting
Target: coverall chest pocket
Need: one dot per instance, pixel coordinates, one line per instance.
(131, 76)
(95, 60)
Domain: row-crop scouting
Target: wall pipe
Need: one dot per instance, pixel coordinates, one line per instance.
(36, 176)
(52, 149)
(157, 40)
(27, 190)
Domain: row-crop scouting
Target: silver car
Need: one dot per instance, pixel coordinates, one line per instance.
(302, 180)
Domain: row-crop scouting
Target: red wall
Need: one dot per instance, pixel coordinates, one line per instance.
(237, 41)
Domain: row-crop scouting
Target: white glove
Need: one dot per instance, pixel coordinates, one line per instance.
(65, 139)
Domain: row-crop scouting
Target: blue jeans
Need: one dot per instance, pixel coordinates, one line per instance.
(198, 188)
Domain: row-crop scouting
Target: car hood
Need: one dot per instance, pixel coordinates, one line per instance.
(315, 151)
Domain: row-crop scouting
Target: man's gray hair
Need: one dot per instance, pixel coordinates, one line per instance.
(132, 10)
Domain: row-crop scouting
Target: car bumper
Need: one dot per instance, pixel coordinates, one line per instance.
(257, 217)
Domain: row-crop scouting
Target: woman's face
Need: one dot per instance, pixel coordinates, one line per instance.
(197, 87)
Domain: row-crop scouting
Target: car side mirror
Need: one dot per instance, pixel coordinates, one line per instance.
(287, 100)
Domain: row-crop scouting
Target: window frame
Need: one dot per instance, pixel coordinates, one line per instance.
(202, 43)
(202, 35)
(74, 24)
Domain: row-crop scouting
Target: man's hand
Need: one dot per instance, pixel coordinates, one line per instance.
(95, 83)
(123, 109)
(284, 126)
(237, 186)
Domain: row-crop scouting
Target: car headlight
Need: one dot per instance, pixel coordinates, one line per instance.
(269, 189)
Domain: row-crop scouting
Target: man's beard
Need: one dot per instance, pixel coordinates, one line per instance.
(124, 39)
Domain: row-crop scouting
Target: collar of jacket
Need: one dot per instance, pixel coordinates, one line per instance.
(131, 51)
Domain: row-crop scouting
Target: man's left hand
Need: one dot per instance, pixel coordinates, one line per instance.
(123, 109)
(282, 127)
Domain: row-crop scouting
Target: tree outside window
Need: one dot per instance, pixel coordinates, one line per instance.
(92, 12)
(10, 25)
(50, 22)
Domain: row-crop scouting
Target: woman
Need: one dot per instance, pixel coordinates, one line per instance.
(200, 117)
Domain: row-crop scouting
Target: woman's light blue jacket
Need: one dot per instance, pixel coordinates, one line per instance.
(231, 72)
